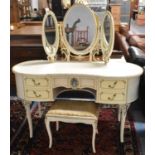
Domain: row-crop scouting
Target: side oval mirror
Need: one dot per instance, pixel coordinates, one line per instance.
(108, 35)
(50, 35)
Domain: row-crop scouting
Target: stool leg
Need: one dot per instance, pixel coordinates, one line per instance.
(96, 127)
(39, 109)
(119, 113)
(47, 123)
(57, 125)
(93, 138)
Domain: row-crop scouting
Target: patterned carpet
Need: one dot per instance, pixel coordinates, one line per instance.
(71, 139)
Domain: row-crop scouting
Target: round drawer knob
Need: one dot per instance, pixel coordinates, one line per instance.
(74, 83)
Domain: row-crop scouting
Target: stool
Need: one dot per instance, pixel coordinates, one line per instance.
(72, 112)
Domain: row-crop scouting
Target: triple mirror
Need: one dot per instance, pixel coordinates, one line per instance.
(82, 36)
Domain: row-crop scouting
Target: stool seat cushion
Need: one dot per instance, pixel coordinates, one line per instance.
(73, 109)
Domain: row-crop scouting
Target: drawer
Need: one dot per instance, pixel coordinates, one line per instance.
(37, 94)
(112, 97)
(36, 82)
(87, 83)
(60, 82)
(113, 84)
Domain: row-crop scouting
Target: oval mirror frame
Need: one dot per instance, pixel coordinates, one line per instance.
(93, 42)
(106, 46)
(50, 49)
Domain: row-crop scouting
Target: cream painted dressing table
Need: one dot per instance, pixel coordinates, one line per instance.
(111, 81)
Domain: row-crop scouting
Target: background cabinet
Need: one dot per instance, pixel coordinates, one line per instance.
(25, 44)
(116, 11)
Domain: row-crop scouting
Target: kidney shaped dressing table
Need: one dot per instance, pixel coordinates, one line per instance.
(85, 64)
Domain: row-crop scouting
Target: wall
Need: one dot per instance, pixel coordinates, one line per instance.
(34, 4)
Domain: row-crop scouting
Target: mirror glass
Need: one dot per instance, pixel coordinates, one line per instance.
(107, 35)
(80, 27)
(50, 29)
(107, 26)
(50, 35)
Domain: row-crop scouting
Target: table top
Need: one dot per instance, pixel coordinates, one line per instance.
(115, 68)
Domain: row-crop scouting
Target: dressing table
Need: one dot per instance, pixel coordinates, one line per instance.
(85, 64)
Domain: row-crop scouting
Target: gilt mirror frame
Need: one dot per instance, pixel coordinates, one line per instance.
(91, 14)
(50, 49)
(106, 47)
(99, 49)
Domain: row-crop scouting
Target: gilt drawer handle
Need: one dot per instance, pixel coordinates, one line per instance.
(112, 98)
(36, 83)
(113, 85)
(36, 95)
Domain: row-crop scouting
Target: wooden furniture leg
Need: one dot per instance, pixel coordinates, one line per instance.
(72, 112)
(119, 113)
(28, 116)
(47, 123)
(124, 109)
(94, 125)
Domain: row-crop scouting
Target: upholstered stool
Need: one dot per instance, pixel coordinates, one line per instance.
(73, 112)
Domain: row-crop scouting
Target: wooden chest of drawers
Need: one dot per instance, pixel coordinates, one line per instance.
(116, 12)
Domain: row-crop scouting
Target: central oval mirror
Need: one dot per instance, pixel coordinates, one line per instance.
(50, 34)
(80, 29)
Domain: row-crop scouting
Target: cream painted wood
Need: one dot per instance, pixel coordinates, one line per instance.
(80, 118)
(73, 120)
(113, 83)
(38, 88)
(112, 91)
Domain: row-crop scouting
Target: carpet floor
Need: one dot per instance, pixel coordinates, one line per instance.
(71, 139)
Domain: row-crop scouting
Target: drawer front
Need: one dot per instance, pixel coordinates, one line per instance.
(87, 83)
(37, 94)
(36, 82)
(60, 82)
(113, 84)
(116, 97)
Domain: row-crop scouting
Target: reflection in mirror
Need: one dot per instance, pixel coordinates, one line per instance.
(80, 27)
(50, 29)
(107, 26)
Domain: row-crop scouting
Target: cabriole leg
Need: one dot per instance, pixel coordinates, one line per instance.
(47, 124)
(119, 113)
(28, 115)
(124, 109)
